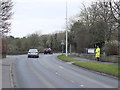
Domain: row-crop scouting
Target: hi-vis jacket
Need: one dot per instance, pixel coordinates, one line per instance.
(97, 52)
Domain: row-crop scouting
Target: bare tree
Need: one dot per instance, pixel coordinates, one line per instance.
(110, 13)
(5, 16)
(115, 10)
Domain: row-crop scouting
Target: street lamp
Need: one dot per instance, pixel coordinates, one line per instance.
(66, 32)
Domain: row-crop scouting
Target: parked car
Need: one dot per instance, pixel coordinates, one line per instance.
(33, 53)
(48, 50)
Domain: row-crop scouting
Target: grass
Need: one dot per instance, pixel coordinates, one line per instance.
(104, 68)
(67, 59)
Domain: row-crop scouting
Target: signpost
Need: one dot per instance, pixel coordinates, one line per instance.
(62, 43)
(90, 50)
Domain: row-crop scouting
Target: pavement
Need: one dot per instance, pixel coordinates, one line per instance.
(0, 74)
(7, 80)
(88, 60)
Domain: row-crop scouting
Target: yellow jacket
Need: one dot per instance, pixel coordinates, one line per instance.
(97, 52)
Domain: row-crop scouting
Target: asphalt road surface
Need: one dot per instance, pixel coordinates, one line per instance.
(49, 72)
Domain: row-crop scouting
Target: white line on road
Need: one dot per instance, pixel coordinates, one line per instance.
(61, 67)
(81, 85)
(72, 81)
(57, 73)
(11, 77)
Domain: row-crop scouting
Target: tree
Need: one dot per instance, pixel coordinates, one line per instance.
(34, 40)
(96, 25)
(108, 13)
(79, 36)
(5, 16)
(115, 10)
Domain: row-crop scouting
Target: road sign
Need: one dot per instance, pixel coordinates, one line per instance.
(62, 42)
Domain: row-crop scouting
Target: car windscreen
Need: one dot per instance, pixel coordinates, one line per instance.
(33, 50)
(47, 49)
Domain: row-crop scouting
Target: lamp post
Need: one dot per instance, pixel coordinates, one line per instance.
(66, 32)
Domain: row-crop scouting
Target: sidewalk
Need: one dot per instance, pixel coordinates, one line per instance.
(0, 73)
(87, 60)
(7, 80)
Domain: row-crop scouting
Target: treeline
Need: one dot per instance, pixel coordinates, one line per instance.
(22, 45)
(98, 24)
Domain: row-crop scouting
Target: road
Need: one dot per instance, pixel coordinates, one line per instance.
(49, 72)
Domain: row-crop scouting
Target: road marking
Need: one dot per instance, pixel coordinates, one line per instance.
(81, 85)
(56, 72)
(70, 62)
(61, 67)
(72, 81)
(11, 77)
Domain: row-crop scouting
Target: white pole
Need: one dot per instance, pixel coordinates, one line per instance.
(66, 32)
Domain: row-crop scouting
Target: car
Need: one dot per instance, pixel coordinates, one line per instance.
(48, 50)
(33, 53)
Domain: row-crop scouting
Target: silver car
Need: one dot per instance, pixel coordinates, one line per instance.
(33, 53)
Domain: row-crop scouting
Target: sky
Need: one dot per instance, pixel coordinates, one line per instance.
(43, 16)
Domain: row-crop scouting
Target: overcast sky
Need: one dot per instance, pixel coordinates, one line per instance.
(44, 16)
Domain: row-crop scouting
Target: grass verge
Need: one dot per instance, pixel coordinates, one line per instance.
(67, 59)
(104, 68)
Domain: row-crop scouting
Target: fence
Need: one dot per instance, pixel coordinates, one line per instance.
(3, 47)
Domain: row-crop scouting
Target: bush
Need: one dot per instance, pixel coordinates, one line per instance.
(111, 48)
(3, 47)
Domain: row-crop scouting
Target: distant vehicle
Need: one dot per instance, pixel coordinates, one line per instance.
(33, 53)
(48, 50)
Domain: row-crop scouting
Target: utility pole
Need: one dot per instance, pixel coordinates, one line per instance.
(66, 32)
